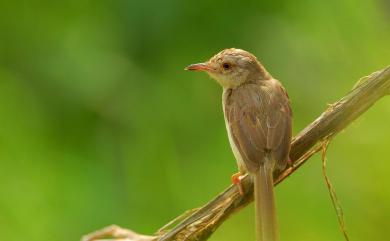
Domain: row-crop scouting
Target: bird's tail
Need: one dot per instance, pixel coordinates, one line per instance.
(266, 221)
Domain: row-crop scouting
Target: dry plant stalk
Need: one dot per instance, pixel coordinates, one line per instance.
(200, 223)
(335, 201)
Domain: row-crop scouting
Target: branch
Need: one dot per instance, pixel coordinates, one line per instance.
(199, 224)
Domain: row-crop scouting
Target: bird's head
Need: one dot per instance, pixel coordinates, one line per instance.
(232, 68)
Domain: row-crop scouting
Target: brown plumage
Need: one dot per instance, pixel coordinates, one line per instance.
(258, 120)
(258, 116)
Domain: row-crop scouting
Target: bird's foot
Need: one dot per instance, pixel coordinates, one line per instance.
(289, 162)
(236, 180)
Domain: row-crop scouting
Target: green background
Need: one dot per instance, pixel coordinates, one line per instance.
(99, 124)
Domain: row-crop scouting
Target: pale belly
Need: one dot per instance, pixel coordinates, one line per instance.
(240, 163)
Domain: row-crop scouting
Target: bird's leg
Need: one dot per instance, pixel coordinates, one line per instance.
(236, 180)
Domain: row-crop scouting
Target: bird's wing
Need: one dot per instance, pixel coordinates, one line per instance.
(259, 118)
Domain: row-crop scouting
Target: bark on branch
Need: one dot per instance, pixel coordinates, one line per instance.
(200, 223)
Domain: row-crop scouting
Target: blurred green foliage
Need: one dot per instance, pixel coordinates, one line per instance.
(99, 123)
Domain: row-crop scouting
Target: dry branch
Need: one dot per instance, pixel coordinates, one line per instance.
(199, 224)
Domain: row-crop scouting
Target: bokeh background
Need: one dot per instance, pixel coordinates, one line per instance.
(99, 124)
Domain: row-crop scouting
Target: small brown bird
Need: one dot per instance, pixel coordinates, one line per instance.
(258, 121)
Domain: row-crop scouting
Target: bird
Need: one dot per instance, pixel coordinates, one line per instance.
(258, 119)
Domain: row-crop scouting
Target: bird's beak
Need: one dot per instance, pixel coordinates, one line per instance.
(199, 67)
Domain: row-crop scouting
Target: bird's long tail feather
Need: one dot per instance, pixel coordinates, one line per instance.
(266, 221)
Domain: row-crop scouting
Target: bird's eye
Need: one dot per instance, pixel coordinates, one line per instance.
(226, 66)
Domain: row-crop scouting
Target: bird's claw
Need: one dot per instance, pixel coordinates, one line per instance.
(236, 180)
